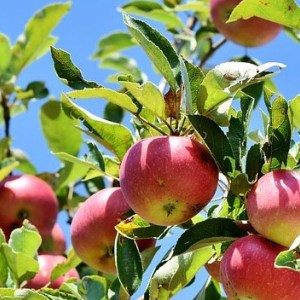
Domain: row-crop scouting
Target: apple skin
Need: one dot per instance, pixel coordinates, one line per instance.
(27, 197)
(46, 264)
(93, 230)
(248, 272)
(55, 243)
(252, 32)
(213, 269)
(168, 180)
(273, 206)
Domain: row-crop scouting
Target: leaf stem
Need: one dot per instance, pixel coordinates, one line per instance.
(149, 124)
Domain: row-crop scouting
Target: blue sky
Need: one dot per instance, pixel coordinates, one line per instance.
(78, 34)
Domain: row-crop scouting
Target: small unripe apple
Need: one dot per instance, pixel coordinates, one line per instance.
(248, 271)
(250, 33)
(273, 206)
(55, 243)
(47, 262)
(27, 197)
(93, 230)
(168, 180)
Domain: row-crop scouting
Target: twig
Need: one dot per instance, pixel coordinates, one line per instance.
(150, 124)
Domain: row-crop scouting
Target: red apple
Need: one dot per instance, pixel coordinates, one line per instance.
(47, 262)
(250, 33)
(273, 206)
(55, 243)
(213, 268)
(248, 272)
(93, 230)
(168, 180)
(27, 197)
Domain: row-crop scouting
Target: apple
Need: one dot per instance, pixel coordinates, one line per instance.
(252, 32)
(213, 268)
(55, 243)
(27, 197)
(248, 272)
(93, 230)
(168, 179)
(273, 206)
(47, 262)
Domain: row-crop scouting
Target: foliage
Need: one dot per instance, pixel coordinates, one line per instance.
(213, 106)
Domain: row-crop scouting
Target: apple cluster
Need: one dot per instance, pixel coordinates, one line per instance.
(29, 197)
(165, 180)
(250, 32)
(247, 269)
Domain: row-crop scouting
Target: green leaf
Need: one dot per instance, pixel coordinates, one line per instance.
(113, 113)
(25, 240)
(124, 65)
(137, 228)
(210, 291)
(120, 99)
(5, 52)
(6, 166)
(112, 43)
(288, 259)
(115, 137)
(36, 37)
(207, 233)
(71, 262)
(25, 166)
(158, 48)
(128, 263)
(223, 82)
(216, 141)
(279, 134)
(254, 162)
(28, 294)
(149, 96)
(154, 11)
(240, 184)
(285, 12)
(177, 272)
(294, 112)
(3, 263)
(68, 72)
(94, 287)
(59, 130)
(5, 144)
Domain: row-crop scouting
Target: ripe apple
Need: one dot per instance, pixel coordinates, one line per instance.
(27, 197)
(273, 206)
(47, 262)
(168, 180)
(93, 230)
(213, 268)
(55, 243)
(248, 272)
(250, 33)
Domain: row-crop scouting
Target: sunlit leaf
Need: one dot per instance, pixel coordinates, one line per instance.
(5, 52)
(6, 166)
(285, 12)
(36, 40)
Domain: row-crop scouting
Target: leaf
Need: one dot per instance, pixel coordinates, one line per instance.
(177, 272)
(120, 99)
(137, 228)
(128, 263)
(210, 291)
(115, 137)
(6, 166)
(279, 134)
(154, 11)
(68, 72)
(149, 96)
(59, 130)
(36, 37)
(207, 233)
(25, 165)
(5, 52)
(94, 287)
(113, 113)
(124, 65)
(240, 184)
(158, 48)
(216, 141)
(254, 162)
(294, 112)
(71, 262)
(112, 43)
(285, 12)
(28, 294)
(288, 259)
(3, 263)
(222, 83)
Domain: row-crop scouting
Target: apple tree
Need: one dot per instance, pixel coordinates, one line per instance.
(178, 159)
